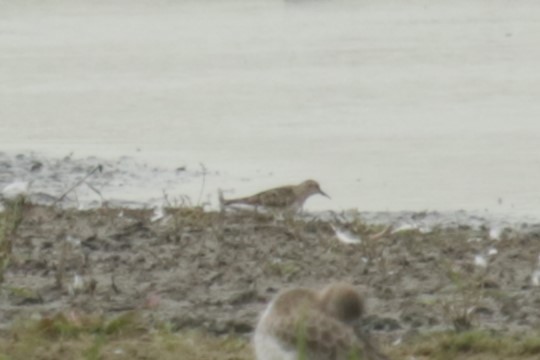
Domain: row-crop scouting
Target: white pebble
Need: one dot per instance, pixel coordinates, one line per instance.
(480, 261)
(15, 189)
(346, 237)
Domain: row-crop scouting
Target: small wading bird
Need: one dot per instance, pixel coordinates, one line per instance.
(301, 324)
(286, 198)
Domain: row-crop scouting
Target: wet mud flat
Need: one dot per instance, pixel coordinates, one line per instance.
(91, 182)
(196, 269)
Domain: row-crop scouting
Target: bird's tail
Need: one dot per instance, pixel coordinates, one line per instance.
(224, 202)
(372, 351)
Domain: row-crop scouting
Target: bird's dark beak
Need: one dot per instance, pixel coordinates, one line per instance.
(323, 193)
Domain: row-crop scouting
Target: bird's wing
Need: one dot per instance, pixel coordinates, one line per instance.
(278, 198)
(314, 335)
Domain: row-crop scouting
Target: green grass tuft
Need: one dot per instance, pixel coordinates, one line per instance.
(471, 345)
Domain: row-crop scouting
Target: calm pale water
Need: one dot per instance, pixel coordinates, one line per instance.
(391, 105)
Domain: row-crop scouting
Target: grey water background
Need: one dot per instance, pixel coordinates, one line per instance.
(390, 105)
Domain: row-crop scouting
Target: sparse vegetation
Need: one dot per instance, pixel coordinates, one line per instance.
(477, 345)
(74, 336)
(87, 337)
(467, 296)
(218, 269)
(10, 220)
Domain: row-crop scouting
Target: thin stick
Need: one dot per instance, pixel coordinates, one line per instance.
(202, 185)
(95, 190)
(381, 234)
(60, 271)
(97, 168)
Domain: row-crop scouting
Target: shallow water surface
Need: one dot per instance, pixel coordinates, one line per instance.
(391, 105)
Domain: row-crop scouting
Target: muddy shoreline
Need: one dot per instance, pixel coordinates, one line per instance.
(197, 268)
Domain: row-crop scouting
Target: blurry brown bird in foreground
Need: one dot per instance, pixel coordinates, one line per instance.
(315, 325)
(286, 198)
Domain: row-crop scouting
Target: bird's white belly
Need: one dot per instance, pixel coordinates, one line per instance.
(268, 348)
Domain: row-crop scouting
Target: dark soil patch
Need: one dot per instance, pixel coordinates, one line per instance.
(196, 269)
